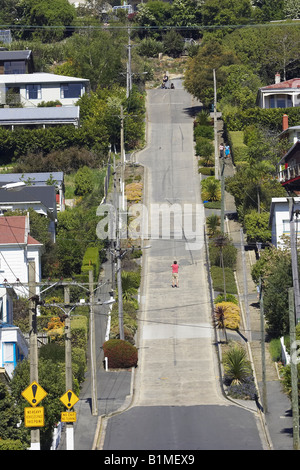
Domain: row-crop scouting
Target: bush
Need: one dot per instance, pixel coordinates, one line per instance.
(217, 279)
(229, 255)
(229, 298)
(91, 258)
(237, 368)
(275, 349)
(231, 312)
(204, 131)
(10, 444)
(121, 354)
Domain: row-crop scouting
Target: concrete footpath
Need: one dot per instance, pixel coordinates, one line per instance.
(278, 415)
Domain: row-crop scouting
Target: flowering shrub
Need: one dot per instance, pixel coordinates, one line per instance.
(134, 192)
(231, 313)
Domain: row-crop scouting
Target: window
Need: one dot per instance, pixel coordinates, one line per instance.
(33, 92)
(17, 66)
(70, 90)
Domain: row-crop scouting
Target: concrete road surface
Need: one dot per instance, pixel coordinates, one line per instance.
(177, 398)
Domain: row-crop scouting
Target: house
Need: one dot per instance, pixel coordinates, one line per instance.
(39, 179)
(280, 219)
(13, 346)
(16, 62)
(42, 199)
(29, 90)
(292, 134)
(39, 117)
(289, 169)
(280, 94)
(20, 254)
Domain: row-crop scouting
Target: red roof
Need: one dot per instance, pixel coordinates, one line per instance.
(13, 231)
(292, 83)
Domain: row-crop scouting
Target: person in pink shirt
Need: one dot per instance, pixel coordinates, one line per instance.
(175, 279)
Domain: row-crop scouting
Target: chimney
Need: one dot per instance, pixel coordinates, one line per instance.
(277, 78)
(285, 122)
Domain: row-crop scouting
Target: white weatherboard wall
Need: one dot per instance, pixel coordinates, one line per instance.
(279, 219)
(14, 264)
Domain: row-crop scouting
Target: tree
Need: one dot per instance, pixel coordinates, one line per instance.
(96, 55)
(84, 181)
(9, 417)
(199, 72)
(57, 14)
(51, 378)
(211, 189)
(257, 227)
(292, 9)
(173, 43)
(226, 12)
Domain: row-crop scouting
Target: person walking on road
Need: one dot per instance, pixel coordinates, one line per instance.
(175, 276)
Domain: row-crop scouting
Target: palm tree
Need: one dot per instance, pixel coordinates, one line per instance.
(221, 241)
(213, 223)
(219, 317)
(236, 366)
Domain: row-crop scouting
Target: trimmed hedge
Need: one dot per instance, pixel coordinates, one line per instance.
(121, 354)
(91, 258)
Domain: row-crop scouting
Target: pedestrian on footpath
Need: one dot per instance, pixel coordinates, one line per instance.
(227, 151)
(221, 148)
(175, 276)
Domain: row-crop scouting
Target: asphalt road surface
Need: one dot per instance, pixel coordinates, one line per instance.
(178, 403)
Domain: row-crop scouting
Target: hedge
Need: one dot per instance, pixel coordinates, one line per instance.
(91, 258)
(270, 118)
(121, 354)
(217, 278)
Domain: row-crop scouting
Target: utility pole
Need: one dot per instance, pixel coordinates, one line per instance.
(263, 351)
(129, 75)
(93, 346)
(68, 365)
(122, 156)
(216, 128)
(248, 326)
(222, 194)
(294, 371)
(119, 275)
(33, 347)
(294, 257)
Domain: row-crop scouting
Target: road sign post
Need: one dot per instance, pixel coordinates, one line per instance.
(69, 399)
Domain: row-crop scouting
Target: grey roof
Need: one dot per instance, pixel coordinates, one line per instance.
(15, 55)
(39, 179)
(42, 115)
(25, 78)
(44, 194)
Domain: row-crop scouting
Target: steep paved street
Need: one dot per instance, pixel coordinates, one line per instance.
(178, 403)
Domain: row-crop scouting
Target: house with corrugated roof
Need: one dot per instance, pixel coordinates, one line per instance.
(20, 254)
(31, 89)
(55, 178)
(12, 62)
(280, 94)
(42, 199)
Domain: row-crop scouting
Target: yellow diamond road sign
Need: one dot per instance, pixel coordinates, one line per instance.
(69, 399)
(34, 393)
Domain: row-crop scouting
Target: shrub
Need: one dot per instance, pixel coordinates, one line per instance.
(237, 368)
(121, 354)
(229, 298)
(232, 316)
(91, 258)
(245, 390)
(204, 131)
(275, 349)
(229, 253)
(217, 278)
